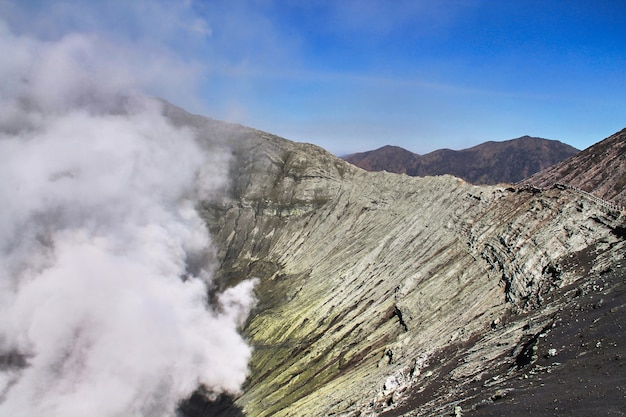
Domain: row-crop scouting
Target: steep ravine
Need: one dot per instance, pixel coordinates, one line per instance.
(371, 282)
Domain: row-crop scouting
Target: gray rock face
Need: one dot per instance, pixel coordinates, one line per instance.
(372, 283)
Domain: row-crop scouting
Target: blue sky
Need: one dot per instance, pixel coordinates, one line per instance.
(355, 75)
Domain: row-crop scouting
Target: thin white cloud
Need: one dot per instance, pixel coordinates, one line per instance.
(146, 45)
(201, 27)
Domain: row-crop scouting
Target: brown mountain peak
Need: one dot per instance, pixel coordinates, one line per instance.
(487, 163)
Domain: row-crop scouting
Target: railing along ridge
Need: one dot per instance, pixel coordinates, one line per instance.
(607, 204)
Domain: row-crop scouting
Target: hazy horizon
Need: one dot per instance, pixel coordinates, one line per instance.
(355, 75)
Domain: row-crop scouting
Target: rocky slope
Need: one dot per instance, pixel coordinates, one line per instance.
(388, 294)
(488, 163)
(599, 169)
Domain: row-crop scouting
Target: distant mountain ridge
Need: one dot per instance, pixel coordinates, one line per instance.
(491, 162)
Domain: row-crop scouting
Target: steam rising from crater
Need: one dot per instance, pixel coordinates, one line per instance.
(104, 261)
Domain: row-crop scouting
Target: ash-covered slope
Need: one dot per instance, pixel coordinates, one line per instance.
(488, 163)
(387, 293)
(599, 169)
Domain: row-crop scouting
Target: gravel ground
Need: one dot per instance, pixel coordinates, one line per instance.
(580, 366)
(574, 364)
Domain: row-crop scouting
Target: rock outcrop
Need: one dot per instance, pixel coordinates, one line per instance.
(384, 293)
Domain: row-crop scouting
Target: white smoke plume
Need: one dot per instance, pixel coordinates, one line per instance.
(104, 309)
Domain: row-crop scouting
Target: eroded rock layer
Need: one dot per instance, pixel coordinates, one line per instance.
(370, 283)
